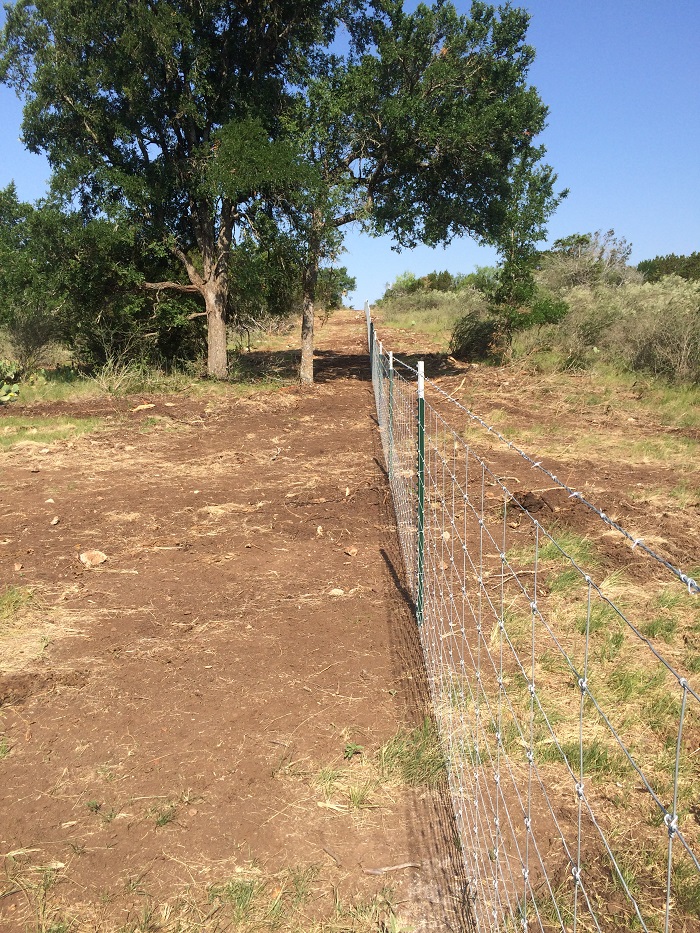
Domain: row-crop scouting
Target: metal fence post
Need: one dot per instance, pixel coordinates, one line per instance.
(390, 425)
(420, 572)
(371, 348)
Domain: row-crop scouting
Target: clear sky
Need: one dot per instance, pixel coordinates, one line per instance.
(622, 81)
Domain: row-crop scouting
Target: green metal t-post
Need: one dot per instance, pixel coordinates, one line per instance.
(420, 573)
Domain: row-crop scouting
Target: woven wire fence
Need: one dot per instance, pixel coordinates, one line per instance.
(571, 739)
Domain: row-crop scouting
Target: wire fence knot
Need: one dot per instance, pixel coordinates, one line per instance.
(671, 821)
(580, 791)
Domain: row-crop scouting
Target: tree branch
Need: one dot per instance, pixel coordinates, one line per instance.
(171, 286)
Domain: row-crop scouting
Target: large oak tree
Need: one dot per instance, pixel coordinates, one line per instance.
(126, 97)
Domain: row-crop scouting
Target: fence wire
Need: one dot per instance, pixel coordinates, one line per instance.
(572, 740)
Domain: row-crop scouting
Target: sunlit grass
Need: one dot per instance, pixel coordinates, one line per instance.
(16, 429)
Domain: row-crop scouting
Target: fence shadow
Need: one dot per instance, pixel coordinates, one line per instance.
(445, 889)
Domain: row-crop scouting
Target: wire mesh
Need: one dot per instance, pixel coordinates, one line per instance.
(572, 741)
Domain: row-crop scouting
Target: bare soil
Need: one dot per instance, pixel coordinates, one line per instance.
(169, 714)
(166, 714)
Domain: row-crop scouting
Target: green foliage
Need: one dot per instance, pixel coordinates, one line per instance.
(232, 182)
(687, 267)
(9, 370)
(585, 259)
(332, 287)
(480, 338)
(653, 327)
(8, 393)
(351, 749)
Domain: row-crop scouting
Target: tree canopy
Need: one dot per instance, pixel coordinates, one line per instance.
(236, 136)
(687, 267)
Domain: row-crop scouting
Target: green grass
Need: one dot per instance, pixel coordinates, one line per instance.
(13, 601)
(15, 429)
(661, 627)
(598, 760)
(5, 747)
(414, 755)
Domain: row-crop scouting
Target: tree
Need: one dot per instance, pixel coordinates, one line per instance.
(586, 259)
(687, 267)
(423, 131)
(76, 279)
(127, 98)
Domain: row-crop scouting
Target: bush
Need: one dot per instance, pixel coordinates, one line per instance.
(653, 327)
(659, 329)
(31, 329)
(479, 337)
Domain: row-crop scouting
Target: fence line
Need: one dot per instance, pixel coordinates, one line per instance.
(572, 741)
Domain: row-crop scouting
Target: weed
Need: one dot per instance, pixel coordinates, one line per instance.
(13, 600)
(351, 749)
(685, 885)
(360, 795)
(94, 806)
(414, 756)
(598, 759)
(4, 747)
(241, 894)
(327, 779)
(166, 814)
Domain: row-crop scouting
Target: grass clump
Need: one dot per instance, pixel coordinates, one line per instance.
(14, 600)
(414, 755)
(44, 431)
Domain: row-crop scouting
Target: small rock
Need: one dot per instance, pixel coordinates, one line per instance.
(93, 558)
(337, 592)
(193, 811)
(18, 567)
(319, 531)
(144, 406)
(350, 551)
(48, 501)
(34, 469)
(55, 520)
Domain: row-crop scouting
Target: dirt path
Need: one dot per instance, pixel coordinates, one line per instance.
(181, 715)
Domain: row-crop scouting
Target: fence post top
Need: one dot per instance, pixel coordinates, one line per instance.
(391, 359)
(421, 379)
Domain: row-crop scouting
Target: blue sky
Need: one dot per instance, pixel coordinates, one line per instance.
(622, 81)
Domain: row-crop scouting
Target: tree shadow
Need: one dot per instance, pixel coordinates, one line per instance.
(332, 365)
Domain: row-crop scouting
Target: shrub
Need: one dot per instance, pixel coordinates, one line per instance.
(479, 337)
(659, 329)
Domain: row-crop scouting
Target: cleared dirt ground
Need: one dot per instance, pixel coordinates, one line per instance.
(184, 715)
(176, 720)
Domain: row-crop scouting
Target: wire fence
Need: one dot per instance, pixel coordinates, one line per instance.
(563, 693)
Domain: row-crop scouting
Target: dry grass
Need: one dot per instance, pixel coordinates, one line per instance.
(613, 636)
(245, 898)
(30, 619)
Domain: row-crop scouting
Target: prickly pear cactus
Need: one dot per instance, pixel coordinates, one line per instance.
(8, 393)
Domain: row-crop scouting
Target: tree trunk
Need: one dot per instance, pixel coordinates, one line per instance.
(306, 370)
(215, 294)
(310, 277)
